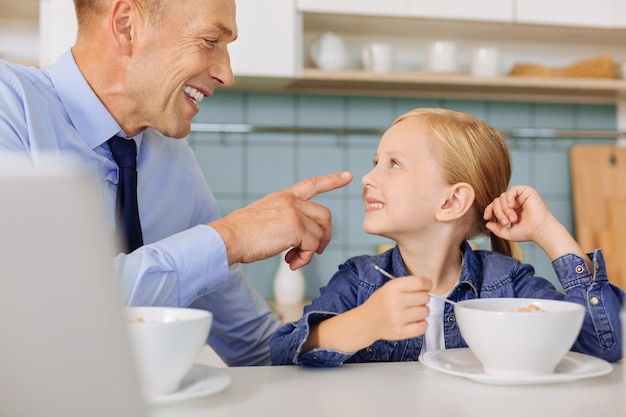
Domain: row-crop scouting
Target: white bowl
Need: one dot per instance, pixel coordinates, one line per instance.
(166, 342)
(517, 343)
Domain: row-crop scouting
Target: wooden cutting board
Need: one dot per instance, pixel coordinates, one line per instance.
(599, 194)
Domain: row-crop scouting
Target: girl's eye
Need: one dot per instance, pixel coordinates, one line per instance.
(392, 163)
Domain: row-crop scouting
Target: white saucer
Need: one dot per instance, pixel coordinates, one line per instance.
(462, 362)
(200, 381)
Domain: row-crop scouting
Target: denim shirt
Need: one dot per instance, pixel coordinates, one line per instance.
(484, 274)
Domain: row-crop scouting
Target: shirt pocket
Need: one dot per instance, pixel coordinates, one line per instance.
(380, 351)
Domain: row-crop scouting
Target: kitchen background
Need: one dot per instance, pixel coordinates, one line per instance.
(280, 87)
(242, 167)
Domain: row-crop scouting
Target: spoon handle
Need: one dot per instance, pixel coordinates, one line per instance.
(388, 275)
(442, 298)
(382, 271)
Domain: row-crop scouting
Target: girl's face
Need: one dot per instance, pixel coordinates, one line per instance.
(406, 187)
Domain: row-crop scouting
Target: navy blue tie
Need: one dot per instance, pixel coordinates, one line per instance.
(125, 156)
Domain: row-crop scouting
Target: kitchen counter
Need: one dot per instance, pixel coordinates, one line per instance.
(396, 389)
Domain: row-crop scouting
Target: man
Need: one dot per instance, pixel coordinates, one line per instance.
(138, 70)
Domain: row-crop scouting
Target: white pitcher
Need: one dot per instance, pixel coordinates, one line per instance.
(328, 52)
(289, 286)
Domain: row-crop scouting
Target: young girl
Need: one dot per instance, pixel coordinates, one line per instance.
(440, 178)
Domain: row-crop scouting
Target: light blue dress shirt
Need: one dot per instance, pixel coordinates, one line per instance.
(183, 262)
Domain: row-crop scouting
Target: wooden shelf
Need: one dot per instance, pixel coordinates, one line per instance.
(457, 85)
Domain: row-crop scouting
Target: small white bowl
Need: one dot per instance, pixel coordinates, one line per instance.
(166, 342)
(519, 343)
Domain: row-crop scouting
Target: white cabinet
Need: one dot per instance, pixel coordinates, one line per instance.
(590, 13)
(596, 13)
(486, 10)
(620, 14)
(357, 7)
(57, 29)
(269, 41)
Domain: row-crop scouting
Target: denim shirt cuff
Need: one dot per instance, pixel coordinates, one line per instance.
(572, 269)
(318, 357)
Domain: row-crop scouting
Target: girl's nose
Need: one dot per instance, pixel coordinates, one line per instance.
(367, 179)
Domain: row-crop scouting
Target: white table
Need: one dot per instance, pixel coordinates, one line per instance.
(396, 390)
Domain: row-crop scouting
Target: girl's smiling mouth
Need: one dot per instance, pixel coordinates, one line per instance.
(372, 204)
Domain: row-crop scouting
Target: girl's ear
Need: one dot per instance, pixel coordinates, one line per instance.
(459, 200)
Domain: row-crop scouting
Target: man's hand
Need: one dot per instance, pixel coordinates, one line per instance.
(281, 220)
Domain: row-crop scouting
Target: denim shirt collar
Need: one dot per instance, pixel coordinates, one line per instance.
(471, 272)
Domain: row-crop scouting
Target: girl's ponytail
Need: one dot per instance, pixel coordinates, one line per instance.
(505, 247)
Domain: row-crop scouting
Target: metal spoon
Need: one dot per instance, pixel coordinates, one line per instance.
(388, 275)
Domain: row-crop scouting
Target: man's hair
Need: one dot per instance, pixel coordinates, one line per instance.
(90, 10)
(86, 9)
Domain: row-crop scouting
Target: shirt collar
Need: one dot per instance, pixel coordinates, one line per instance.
(471, 269)
(92, 121)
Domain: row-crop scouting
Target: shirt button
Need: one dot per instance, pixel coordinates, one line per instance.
(369, 350)
(451, 319)
(594, 301)
(580, 269)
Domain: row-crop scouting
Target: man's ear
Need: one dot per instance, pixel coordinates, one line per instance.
(459, 200)
(121, 14)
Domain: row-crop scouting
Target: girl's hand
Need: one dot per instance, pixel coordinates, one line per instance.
(519, 214)
(397, 310)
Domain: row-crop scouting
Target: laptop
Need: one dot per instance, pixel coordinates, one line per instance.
(63, 346)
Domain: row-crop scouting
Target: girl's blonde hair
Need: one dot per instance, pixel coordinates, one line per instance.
(470, 151)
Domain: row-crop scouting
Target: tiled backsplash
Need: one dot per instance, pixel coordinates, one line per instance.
(242, 167)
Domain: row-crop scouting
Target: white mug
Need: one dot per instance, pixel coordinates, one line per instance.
(442, 56)
(377, 57)
(485, 62)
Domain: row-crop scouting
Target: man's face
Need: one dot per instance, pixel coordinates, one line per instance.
(178, 61)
